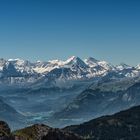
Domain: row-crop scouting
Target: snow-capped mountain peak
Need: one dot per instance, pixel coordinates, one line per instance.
(56, 62)
(123, 66)
(19, 62)
(2, 63)
(73, 68)
(71, 59)
(106, 65)
(138, 67)
(75, 61)
(91, 59)
(23, 66)
(92, 62)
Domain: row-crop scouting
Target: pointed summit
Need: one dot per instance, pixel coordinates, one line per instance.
(75, 61)
(72, 58)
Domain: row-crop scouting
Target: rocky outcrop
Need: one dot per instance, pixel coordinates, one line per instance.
(35, 132)
(5, 132)
(43, 132)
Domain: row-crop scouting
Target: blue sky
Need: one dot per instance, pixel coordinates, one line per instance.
(49, 29)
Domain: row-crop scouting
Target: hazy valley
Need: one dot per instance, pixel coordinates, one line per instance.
(60, 93)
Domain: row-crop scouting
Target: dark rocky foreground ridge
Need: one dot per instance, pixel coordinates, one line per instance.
(124, 125)
(35, 132)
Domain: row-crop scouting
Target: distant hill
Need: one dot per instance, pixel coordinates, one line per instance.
(121, 126)
(95, 102)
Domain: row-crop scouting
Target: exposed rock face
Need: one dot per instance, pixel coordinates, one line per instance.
(43, 132)
(35, 132)
(121, 126)
(5, 132)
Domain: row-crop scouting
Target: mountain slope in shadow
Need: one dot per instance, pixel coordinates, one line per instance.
(124, 125)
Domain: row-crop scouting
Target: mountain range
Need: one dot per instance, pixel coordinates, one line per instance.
(61, 93)
(57, 72)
